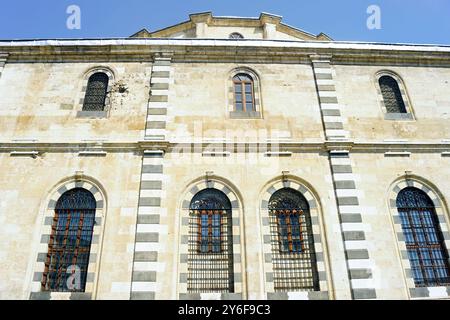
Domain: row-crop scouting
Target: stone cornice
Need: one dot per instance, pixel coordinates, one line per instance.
(234, 147)
(210, 49)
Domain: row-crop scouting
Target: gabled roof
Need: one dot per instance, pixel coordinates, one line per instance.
(226, 21)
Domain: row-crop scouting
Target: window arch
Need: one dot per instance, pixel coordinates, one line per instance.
(236, 35)
(427, 253)
(69, 246)
(96, 91)
(392, 96)
(210, 252)
(244, 96)
(293, 253)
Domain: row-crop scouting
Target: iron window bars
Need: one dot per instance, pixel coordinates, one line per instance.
(243, 93)
(210, 244)
(293, 254)
(392, 95)
(424, 240)
(96, 91)
(70, 242)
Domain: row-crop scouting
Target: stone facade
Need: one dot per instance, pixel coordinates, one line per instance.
(169, 131)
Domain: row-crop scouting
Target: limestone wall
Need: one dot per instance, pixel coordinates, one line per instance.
(199, 102)
(41, 100)
(26, 187)
(428, 90)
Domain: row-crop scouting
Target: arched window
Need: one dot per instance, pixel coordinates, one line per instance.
(293, 254)
(424, 240)
(244, 97)
(96, 91)
(392, 95)
(70, 242)
(210, 256)
(236, 35)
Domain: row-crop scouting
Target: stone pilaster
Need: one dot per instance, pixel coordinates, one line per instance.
(3, 59)
(149, 230)
(161, 78)
(329, 106)
(359, 264)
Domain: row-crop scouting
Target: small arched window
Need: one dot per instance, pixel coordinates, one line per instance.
(425, 245)
(96, 92)
(244, 97)
(236, 35)
(210, 243)
(392, 95)
(70, 242)
(294, 258)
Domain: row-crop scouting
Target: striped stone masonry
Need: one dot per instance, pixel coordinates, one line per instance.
(323, 292)
(3, 58)
(359, 264)
(238, 259)
(440, 292)
(46, 234)
(149, 230)
(329, 105)
(161, 78)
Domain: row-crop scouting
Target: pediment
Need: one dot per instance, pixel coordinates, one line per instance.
(206, 26)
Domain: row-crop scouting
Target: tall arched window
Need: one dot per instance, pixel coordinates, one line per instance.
(424, 240)
(96, 91)
(210, 256)
(244, 97)
(293, 254)
(392, 95)
(70, 242)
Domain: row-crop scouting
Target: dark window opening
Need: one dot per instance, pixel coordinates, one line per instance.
(425, 244)
(70, 242)
(392, 95)
(96, 91)
(210, 244)
(236, 35)
(293, 254)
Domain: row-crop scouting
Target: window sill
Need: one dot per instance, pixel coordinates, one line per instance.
(398, 116)
(47, 295)
(218, 295)
(92, 114)
(245, 115)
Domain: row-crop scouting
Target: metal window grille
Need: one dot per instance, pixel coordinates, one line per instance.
(70, 242)
(424, 240)
(392, 96)
(243, 93)
(210, 255)
(293, 254)
(96, 91)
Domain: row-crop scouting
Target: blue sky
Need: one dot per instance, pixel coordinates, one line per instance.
(407, 21)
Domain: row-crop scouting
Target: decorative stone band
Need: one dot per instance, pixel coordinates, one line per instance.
(238, 263)
(326, 91)
(323, 294)
(3, 59)
(418, 292)
(161, 78)
(92, 273)
(360, 266)
(151, 233)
